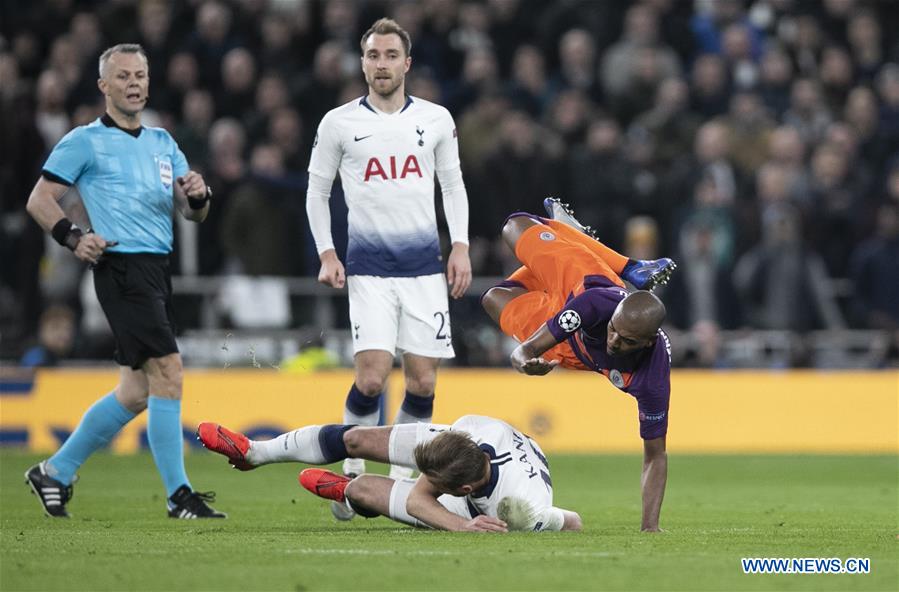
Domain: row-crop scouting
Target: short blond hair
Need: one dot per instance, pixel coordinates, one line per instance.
(387, 26)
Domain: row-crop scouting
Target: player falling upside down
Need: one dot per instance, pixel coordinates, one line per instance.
(472, 472)
(568, 306)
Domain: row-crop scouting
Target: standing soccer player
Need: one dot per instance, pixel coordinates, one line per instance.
(387, 147)
(129, 177)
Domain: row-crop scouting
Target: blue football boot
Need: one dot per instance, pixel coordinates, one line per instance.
(646, 275)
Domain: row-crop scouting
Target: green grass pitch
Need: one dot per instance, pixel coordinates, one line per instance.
(278, 537)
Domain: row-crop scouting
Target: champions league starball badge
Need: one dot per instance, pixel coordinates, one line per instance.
(569, 320)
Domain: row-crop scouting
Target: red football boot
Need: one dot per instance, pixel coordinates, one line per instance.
(325, 483)
(220, 439)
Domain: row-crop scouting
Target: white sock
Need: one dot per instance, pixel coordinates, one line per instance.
(300, 445)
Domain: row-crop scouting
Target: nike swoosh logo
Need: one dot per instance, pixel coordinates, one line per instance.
(357, 138)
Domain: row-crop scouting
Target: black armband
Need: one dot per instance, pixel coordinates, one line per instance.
(198, 203)
(66, 234)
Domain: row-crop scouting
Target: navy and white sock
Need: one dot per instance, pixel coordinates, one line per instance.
(415, 408)
(317, 445)
(360, 409)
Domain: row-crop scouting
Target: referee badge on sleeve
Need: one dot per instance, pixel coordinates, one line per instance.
(165, 173)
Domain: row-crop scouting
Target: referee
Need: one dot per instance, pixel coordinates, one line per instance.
(130, 178)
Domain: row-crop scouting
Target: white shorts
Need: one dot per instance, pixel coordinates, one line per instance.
(401, 315)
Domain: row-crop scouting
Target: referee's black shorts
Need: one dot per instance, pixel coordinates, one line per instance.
(135, 291)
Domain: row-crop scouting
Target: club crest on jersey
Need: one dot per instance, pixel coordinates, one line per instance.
(376, 169)
(420, 132)
(165, 173)
(616, 378)
(569, 320)
(547, 236)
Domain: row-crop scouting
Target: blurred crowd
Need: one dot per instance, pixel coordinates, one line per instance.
(756, 142)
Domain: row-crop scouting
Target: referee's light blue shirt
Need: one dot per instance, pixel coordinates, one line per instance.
(126, 182)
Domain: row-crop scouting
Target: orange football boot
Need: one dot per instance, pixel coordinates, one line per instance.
(220, 439)
(325, 483)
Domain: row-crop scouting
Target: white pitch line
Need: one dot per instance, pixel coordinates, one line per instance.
(424, 553)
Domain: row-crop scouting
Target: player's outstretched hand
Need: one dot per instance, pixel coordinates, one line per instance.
(526, 364)
(91, 246)
(485, 524)
(332, 272)
(458, 270)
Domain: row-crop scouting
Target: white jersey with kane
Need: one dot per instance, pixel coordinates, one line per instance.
(387, 165)
(518, 469)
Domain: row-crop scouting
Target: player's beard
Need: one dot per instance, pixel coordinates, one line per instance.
(388, 90)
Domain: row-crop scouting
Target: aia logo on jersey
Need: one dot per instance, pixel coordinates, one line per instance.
(374, 168)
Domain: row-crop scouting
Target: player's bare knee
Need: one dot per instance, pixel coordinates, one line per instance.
(370, 385)
(355, 441)
(132, 397)
(514, 227)
(422, 384)
(359, 492)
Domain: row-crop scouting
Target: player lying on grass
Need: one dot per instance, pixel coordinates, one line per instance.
(479, 474)
(568, 305)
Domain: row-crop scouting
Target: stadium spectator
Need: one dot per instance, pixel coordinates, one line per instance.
(775, 74)
(466, 476)
(211, 40)
(394, 270)
(50, 116)
(862, 115)
(875, 270)
(670, 122)
(710, 86)
(578, 65)
(786, 149)
(285, 130)
(238, 84)
(529, 89)
(749, 127)
(888, 91)
(701, 292)
(600, 180)
(623, 61)
(520, 171)
(807, 112)
(865, 41)
(710, 161)
(577, 314)
(320, 91)
(183, 75)
(132, 279)
(56, 338)
(837, 76)
(193, 131)
(479, 76)
(258, 224)
(781, 283)
(837, 208)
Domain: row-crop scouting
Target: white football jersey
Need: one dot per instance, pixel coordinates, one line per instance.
(387, 165)
(518, 467)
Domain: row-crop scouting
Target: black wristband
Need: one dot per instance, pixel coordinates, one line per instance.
(198, 203)
(66, 234)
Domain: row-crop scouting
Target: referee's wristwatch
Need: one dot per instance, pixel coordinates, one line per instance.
(198, 203)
